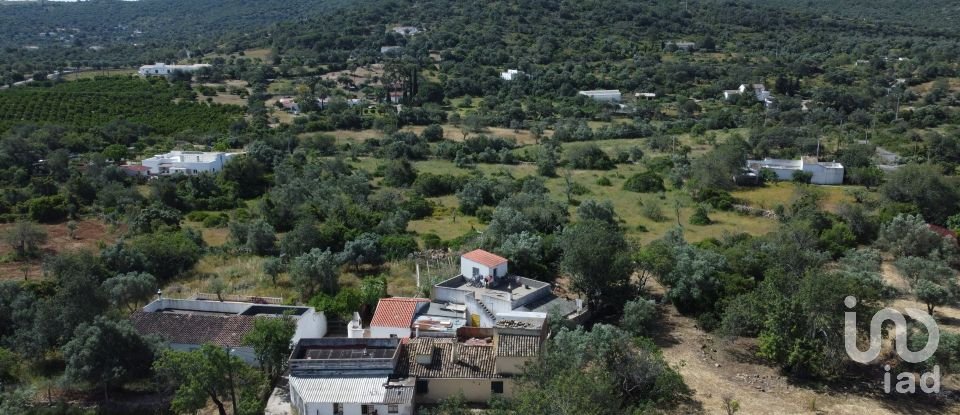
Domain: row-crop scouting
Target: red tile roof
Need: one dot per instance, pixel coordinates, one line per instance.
(944, 232)
(484, 258)
(183, 328)
(396, 312)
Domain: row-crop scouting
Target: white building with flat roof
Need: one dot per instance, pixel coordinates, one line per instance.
(822, 172)
(187, 162)
(484, 289)
(162, 69)
(603, 95)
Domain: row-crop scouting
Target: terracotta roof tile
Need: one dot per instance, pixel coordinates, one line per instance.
(183, 328)
(448, 359)
(484, 258)
(396, 312)
(511, 345)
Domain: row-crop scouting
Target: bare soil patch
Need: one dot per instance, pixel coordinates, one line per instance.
(89, 234)
(714, 367)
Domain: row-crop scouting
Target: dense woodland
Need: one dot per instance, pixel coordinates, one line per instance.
(632, 208)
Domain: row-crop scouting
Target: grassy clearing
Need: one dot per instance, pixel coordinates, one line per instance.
(282, 87)
(627, 204)
(244, 276)
(229, 99)
(771, 195)
(253, 54)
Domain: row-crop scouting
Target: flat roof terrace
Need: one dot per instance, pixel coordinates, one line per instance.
(345, 349)
(507, 288)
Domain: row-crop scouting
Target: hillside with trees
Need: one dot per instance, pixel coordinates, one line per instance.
(370, 152)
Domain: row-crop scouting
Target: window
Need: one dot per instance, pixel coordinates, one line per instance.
(423, 386)
(364, 409)
(393, 409)
(496, 386)
(476, 271)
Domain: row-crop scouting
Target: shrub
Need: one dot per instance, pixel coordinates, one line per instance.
(716, 198)
(802, 176)
(484, 214)
(604, 181)
(431, 185)
(167, 253)
(432, 241)
(418, 207)
(638, 316)
(48, 209)
(651, 210)
(646, 182)
(219, 220)
(589, 156)
(699, 216)
(398, 246)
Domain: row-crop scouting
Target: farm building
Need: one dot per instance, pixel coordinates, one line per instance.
(188, 324)
(605, 95)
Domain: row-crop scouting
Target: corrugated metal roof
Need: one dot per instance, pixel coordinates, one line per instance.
(484, 258)
(398, 395)
(363, 390)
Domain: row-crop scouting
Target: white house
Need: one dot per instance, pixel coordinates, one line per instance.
(605, 95)
(822, 172)
(406, 30)
(482, 263)
(511, 74)
(162, 69)
(760, 92)
(484, 289)
(187, 162)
